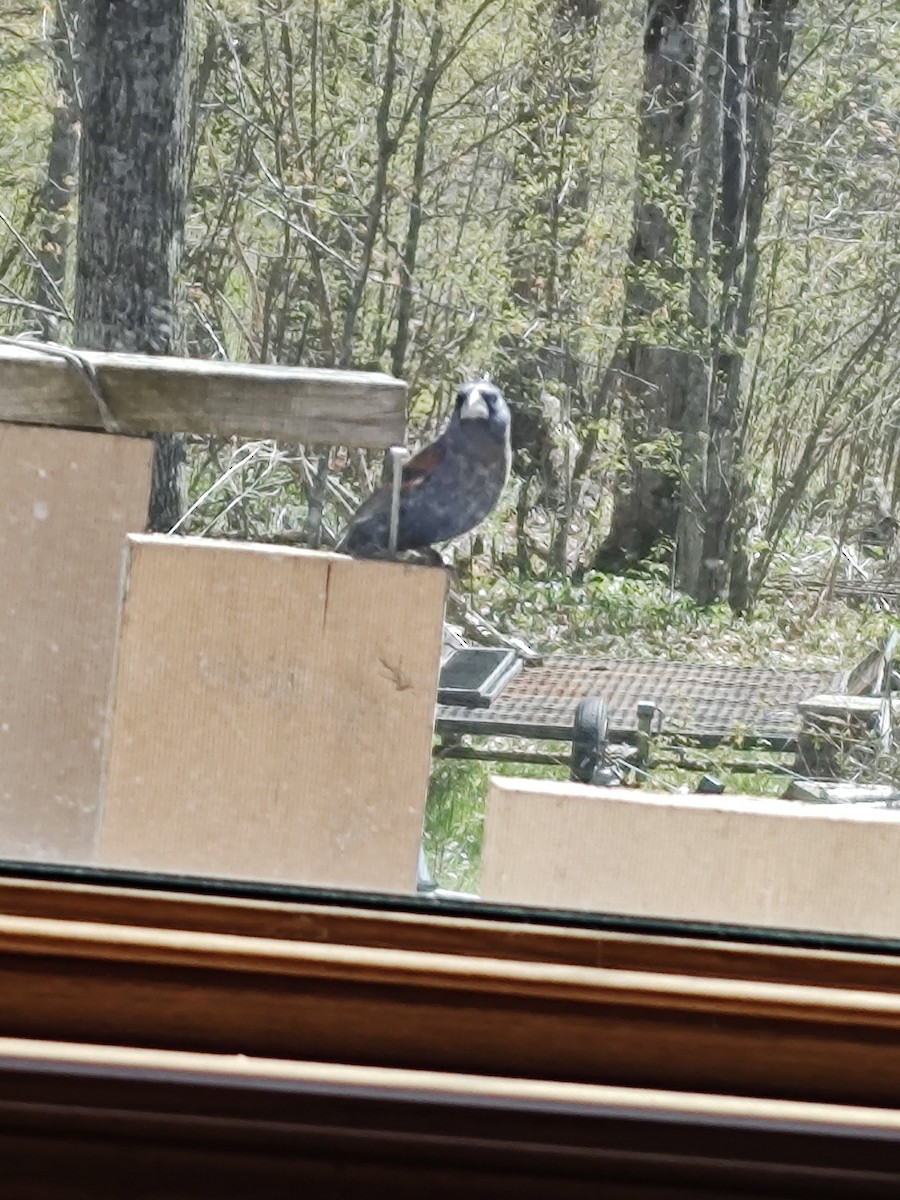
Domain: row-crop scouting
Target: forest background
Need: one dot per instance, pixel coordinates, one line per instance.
(669, 230)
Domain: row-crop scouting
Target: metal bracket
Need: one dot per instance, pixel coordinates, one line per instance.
(399, 456)
(646, 711)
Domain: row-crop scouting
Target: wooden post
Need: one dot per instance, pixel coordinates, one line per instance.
(67, 500)
(742, 860)
(272, 714)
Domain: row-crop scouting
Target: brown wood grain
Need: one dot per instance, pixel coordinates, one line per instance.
(441, 933)
(103, 1121)
(180, 395)
(67, 501)
(271, 714)
(728, 859)
(224, 993)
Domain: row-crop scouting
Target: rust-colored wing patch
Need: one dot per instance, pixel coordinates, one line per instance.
(420, 466)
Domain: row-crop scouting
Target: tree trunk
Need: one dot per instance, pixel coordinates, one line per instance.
(692, 570)
(712, 560)
(386, 145)
(540, 368)
(700, 399)
(132, 195)
(62, 168)
(414, 223)
(725, 499)
(768, 55)
(647, 374)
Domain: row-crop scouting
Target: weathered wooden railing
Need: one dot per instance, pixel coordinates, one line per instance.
(198, 706)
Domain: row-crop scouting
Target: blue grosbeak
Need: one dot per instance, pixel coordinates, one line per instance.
(447, 488)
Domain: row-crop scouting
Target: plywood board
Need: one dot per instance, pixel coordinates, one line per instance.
(272, 715)
(185, 395)
(734, 859)
(67, 500)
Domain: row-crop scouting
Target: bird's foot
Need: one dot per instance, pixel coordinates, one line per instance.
(426, 557)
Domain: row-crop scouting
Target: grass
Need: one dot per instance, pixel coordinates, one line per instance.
(454, 816)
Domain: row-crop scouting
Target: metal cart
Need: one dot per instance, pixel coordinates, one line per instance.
(615, 712)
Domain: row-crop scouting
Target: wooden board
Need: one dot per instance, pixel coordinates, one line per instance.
(423, 1088)
(734, 859)
(272, 714)
(74, 981)
(440, 932)
(68, 499)
(95, 1122)
(172, 395)
(838, 706)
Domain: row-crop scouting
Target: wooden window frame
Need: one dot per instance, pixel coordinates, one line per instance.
(96, 1121)
(84, 963)
(158, 1042)
(464, 928)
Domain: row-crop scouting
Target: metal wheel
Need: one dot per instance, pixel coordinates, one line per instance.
(589, 738)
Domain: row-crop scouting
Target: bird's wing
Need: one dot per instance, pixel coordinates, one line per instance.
(420, 466)
(414, 474)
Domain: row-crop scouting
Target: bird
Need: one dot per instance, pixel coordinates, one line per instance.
(448, 488)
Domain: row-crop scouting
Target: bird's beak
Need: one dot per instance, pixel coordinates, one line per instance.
(474, 407)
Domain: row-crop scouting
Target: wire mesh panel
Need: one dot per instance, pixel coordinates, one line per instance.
(705, 701)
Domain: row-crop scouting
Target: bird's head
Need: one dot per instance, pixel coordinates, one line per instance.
(480, 405)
